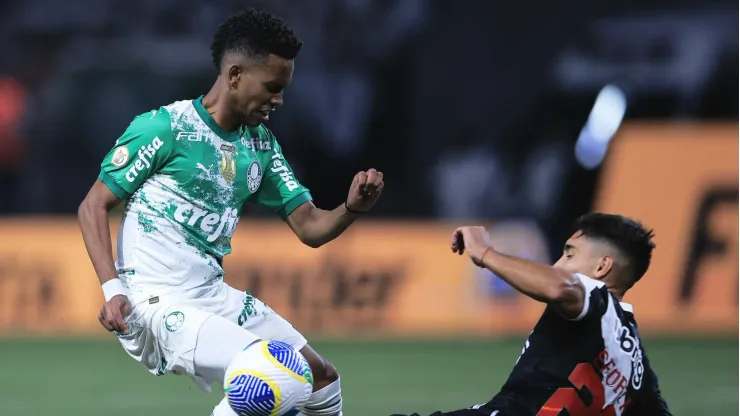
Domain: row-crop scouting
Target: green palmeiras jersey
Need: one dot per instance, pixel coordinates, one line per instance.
(186, 181)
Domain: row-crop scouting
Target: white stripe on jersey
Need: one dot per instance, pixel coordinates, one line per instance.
(590, 285)
(619, 346)
(622, 354)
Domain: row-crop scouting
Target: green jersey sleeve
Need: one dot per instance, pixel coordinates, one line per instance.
(280, 191)
(144, 148)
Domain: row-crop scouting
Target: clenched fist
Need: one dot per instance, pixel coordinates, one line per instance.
(365, 190)
(473, 240)
(113, 312)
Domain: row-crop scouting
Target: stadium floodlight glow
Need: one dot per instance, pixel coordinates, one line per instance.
(603, 122)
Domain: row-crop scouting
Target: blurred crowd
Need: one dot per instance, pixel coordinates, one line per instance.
(470, 108)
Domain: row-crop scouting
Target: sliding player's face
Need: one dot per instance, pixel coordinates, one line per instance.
(259, 88)
(584, 256)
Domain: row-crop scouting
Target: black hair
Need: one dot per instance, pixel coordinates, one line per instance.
(256, 34)
(626, 234)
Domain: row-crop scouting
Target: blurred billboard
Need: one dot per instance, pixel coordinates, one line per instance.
(395, 278)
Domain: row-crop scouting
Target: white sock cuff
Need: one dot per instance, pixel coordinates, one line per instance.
(325, 402)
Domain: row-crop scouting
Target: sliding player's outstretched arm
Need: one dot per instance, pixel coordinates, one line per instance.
(560, 289)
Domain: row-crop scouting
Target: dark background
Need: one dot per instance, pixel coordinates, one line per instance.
(471, 108)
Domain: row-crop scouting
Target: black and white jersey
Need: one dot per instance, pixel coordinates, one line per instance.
(592, 365)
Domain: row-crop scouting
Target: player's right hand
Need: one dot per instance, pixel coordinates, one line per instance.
(113, 312)
(474, 241)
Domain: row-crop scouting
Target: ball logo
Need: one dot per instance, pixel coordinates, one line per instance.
(120, 156)
(174, 321)
(254, 176)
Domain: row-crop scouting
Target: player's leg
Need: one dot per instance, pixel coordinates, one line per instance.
(219, 341)
(201, 345)
(326, 399)
(257, 317)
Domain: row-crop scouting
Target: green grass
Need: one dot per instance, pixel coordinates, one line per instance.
(95, 377)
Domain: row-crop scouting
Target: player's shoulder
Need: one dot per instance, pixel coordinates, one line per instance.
(183, 115)
(169, 121)
(263, 133)
(157, 122)
(266, 138)
(591, 284)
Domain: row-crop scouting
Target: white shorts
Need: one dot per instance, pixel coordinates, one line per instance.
(162, 336)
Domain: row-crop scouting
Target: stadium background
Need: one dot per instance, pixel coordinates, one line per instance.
(476, 111)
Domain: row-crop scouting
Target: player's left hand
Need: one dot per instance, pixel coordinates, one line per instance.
(365, 190)
(473, 240)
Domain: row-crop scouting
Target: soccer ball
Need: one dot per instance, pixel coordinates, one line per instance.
(268, 378)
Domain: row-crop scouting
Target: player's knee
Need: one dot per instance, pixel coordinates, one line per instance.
(324, 372)
(330, 374)
(326, 399)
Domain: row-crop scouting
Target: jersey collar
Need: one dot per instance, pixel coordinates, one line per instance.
(229, 136)
(627, 307)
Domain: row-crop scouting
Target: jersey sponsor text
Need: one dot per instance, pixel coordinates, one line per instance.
(285, 173)
(143, 161)
(210, 222)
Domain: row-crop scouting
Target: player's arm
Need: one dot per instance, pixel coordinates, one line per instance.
(316, 227)
(93, 219)
(293, 202)
(142, 150)
(563, 291)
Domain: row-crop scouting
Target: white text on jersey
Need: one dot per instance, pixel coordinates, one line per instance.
(208, 220)
(285, 173)
(256, 144)
(193, 136)
(146, 154)
(631, 346)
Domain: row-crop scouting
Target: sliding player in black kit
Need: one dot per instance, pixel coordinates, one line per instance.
(584, 356)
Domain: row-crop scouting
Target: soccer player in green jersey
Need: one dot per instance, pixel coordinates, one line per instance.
(186, 170)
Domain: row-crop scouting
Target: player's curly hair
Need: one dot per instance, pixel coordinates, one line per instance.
(255, 33)
(626, 234)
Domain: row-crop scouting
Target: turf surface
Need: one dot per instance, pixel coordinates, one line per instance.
(95, 377)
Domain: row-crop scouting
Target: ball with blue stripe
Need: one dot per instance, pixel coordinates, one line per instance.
(268, 378)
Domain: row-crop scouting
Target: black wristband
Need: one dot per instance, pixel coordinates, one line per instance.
(350, 210)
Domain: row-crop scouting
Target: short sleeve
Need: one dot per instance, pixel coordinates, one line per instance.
(143, 149)
(596, 300)
(281, 192)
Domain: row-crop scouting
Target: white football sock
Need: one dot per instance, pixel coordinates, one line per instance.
(325, 402)
(223, 409)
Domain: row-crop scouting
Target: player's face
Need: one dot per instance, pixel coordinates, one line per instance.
(580, 256)
(260, 89)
